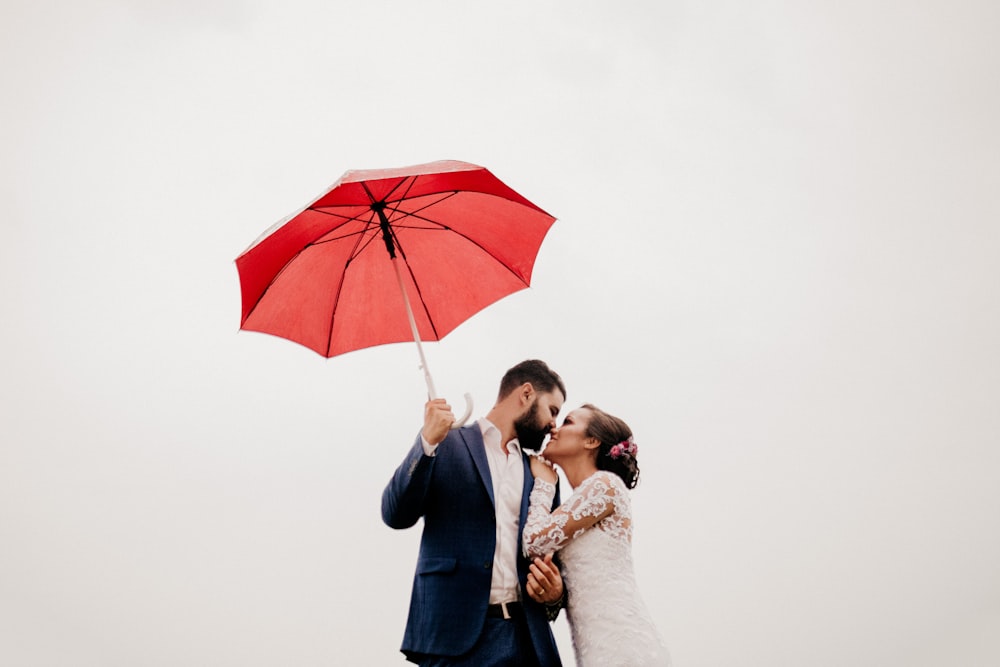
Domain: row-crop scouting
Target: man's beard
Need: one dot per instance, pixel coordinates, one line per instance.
(530, 434)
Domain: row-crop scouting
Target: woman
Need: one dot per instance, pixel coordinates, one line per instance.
(592, 530)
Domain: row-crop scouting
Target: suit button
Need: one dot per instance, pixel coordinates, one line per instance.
(487, 565)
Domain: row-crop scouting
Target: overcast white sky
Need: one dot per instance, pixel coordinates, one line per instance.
(776, 256)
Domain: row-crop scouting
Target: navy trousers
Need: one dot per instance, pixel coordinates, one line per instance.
(502, 643)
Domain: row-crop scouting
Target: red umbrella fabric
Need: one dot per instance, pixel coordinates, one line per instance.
(326, 277)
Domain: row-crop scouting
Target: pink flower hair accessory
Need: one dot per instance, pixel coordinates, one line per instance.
(624, 448)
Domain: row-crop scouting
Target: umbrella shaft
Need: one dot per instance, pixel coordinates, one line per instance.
(431, 392)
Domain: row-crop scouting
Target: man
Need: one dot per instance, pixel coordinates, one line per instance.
(476, 601)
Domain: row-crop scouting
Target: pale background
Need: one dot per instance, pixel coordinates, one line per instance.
(776, 257)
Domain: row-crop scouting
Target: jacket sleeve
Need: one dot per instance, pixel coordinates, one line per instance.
(404, 495)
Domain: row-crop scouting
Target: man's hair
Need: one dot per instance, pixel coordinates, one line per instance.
(537, 372)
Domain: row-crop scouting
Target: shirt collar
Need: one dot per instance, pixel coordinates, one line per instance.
(491, 436)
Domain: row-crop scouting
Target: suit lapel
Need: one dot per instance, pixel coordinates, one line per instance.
(473, 438)
(529, 483)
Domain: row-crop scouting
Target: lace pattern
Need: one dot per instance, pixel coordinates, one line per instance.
(609, 622)
(602, 500)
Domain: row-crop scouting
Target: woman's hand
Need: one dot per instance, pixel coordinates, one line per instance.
(545, 583)
(542, 469)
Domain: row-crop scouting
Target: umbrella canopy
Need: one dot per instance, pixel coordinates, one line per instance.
(447, 237)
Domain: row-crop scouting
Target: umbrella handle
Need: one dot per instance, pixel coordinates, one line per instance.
(460, 422)
(432, 392)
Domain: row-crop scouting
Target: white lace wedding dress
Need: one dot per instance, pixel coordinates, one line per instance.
(608, 620)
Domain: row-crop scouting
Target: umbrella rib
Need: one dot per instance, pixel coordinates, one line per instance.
(291, 259)
(359, 246)
(406, 193)
(333, 239)
(343, 218)
(415, 213)
(412, 179)
(389, 205)
(442, 228)
(416, 285)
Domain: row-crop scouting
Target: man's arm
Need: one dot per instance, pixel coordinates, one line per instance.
(403, 497)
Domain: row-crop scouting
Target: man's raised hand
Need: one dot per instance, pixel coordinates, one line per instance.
(438, 419)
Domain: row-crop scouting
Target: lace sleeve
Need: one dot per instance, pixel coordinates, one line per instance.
(547, 532)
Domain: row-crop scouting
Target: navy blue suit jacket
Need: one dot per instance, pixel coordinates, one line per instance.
(453, 492)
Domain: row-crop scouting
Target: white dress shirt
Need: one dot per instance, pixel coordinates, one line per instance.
(507, 473)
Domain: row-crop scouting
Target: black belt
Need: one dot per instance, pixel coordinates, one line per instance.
(506, 610)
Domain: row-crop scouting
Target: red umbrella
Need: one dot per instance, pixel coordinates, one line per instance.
(391, 255)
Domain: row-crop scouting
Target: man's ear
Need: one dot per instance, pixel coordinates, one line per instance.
(527, 392)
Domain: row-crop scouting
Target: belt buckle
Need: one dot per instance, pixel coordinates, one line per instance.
(506, 614)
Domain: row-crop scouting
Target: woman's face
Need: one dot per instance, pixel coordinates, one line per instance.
(569, 439)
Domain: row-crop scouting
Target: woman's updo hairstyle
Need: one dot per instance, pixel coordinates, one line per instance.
(617, 451)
